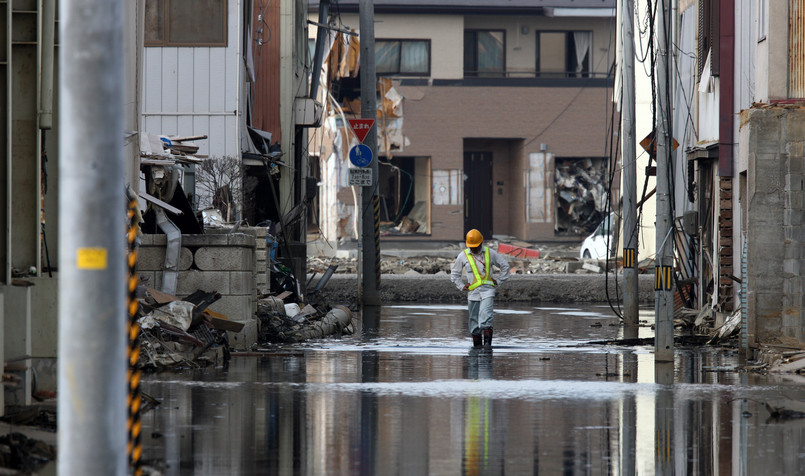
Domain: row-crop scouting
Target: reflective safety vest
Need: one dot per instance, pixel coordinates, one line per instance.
(475, 273)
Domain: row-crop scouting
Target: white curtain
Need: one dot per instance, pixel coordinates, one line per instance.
(582, 40)
(414, 57)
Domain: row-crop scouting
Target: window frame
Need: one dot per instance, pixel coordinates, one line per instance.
(427, 42)
(165, 28)
(588, 73)
(479, 74)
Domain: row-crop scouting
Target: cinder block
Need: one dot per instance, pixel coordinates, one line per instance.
(236, 308)
(244, 339)
(793, 182)
(234, 258)
(791, 266)
(240, 239)
(148, 278)
(795, 159)
(192, 280)
(152, 258)
(17, 341)
(153, 240)
(211, 239)
(44, 317)
(794, 126)
(241, 283)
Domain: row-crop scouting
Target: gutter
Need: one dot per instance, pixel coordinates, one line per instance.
(726, 114)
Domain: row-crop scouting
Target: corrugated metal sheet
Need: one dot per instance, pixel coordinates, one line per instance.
(796, 48)
(266, 91)
(194, 91)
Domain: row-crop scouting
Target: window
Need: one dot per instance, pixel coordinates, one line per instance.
(564, 54)
(185, 22)
(708, 37)
(484, 53)
(403, 57)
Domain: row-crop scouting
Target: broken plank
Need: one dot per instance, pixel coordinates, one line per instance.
(225, 324)
(184, 138)
(160, 203)
(160, 297)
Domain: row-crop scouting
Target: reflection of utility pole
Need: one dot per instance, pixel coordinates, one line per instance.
(664, 419)
(628, 144)
(628, 441)
(663, 282)
(92, 255)
(369, 211)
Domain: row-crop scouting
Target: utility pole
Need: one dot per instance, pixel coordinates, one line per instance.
(92, 254)
(370, 206)
(663, 282)
(628, 153)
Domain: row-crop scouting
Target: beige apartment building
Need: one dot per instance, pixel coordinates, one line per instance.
(491, 115)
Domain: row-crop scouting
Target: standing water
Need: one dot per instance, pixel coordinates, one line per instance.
(409, 395)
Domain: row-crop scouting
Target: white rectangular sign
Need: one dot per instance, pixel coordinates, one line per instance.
(360, 177)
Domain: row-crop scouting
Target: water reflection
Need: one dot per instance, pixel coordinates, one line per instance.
(410, 395)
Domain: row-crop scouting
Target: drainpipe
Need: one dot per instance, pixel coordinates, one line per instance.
(726, 71)
(46, 88)
(170, 275)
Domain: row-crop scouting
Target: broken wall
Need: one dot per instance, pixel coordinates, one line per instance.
(771, 141)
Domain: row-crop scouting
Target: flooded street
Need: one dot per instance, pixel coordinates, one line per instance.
(409, 395)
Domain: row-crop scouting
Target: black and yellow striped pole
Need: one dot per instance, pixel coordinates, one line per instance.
(133, 424)
(376, 216)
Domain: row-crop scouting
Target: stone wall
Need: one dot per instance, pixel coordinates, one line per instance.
(772, 139)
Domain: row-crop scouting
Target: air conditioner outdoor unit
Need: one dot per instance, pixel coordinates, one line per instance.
(307, 112)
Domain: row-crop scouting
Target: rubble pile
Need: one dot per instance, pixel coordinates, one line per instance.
(23, 454)
(553, 259)
(287, 323)
(182, 333)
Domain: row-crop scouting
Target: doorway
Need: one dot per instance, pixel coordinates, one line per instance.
(478, 192)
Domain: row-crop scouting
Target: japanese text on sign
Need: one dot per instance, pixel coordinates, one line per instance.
(360, 177)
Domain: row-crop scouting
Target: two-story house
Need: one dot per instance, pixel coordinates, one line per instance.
(495, 115)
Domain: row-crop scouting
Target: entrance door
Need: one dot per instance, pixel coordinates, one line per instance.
(478, 192)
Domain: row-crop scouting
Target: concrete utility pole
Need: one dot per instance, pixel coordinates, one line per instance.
(663, 282)
(370, 209)
(628, 143)
(92, 254)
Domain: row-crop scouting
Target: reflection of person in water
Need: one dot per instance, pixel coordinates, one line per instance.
(478, 434)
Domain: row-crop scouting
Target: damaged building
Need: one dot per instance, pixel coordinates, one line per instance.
(491, 115)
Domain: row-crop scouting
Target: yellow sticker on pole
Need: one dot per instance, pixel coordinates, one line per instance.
(91, 258)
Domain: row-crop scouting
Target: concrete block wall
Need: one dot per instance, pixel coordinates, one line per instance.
(261, 250)
(221, 262)
(773, 140)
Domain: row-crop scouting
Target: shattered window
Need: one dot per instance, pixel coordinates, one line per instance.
(484, 53)
(402, 57)
(185, 23)
(580, 194)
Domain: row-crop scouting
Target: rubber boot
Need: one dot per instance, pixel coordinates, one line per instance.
(487, 336)
(476, 340)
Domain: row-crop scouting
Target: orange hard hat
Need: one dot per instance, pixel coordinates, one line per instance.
(474, 238)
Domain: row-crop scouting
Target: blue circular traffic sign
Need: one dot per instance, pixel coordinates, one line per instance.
(360, 155)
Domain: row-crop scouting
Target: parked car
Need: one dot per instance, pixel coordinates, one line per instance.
(595, 245)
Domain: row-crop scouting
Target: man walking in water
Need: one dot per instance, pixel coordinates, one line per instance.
(477, 261)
